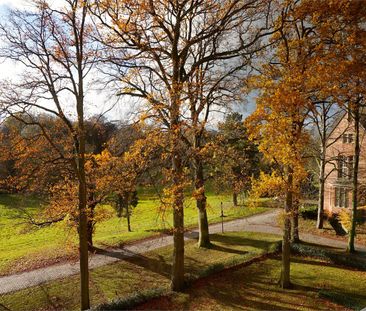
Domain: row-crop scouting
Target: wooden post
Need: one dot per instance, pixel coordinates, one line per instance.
(222, 218)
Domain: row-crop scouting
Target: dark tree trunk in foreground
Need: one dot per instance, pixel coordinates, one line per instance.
(54, 44)
(128, 217)
(286, 253)
(352, 233)
(201, 202)
(91, 223)
(177, 276)
(90, 234)
(83, 219)
(295, 237)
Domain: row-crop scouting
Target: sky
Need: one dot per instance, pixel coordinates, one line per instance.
(100, 101)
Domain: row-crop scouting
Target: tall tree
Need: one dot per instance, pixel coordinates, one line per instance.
(52, 44)
(160, 38)
(323, 115)
(279, 120)
(340, 27)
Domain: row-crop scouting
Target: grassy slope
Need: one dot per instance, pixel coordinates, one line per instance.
(24, 247)
(255, 287)
(145, 272)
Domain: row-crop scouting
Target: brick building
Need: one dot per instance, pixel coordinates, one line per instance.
(339, 168)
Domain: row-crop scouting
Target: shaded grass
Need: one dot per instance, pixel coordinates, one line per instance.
(255, 287)
(25, 247)
(309, 226)
(331, 255)
(145, 272)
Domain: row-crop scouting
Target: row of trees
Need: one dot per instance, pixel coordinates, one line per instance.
(315, 74)
(182, 60)
(119, 158)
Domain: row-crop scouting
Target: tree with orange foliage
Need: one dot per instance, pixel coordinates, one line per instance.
(52, 44)
(33, 165)
(279, 121)
(158, 42)
(339, 70)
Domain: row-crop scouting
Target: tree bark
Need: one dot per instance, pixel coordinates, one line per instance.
(83, 231)
(286, 253)
(201, 202)
(235, 199)
(91, 209)
(177, 277)
(83, 221)
(322, 128)
(119, 205)
(320, 220)
(352, 233)
(90, 234)
(128, 217)
(295, 237)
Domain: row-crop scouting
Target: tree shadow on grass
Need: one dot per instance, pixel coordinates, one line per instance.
(234, 291)
(239, 240)
(254, 287)
(227, 249)
(156, 265)
(167, 231)
(320, 263)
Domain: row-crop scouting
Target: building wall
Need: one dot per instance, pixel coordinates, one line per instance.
(346, 149)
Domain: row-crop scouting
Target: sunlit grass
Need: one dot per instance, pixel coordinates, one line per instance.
(151, 270)
(25, 246)
(316, 286)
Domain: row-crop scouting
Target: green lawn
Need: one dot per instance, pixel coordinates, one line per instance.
(317, 286)
(148, 271)
(25, 246)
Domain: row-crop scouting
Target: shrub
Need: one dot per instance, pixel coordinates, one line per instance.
(344, 218)
(309, 212)
(330, 256)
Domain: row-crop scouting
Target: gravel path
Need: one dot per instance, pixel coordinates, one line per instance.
(265, 223)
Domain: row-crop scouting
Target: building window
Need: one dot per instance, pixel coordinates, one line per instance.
(345, 166)
(347, 138)
(341, 197)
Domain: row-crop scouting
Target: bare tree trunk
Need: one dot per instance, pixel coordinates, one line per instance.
(128, 217)
(91, 205)
(320, 220)
(83, 221)
(83, 231)
(177, 277)
(286, 253)
(235, 199)
(352, 233)
(201, 202)
(295, 237)
(119, 205)
(90, 234)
